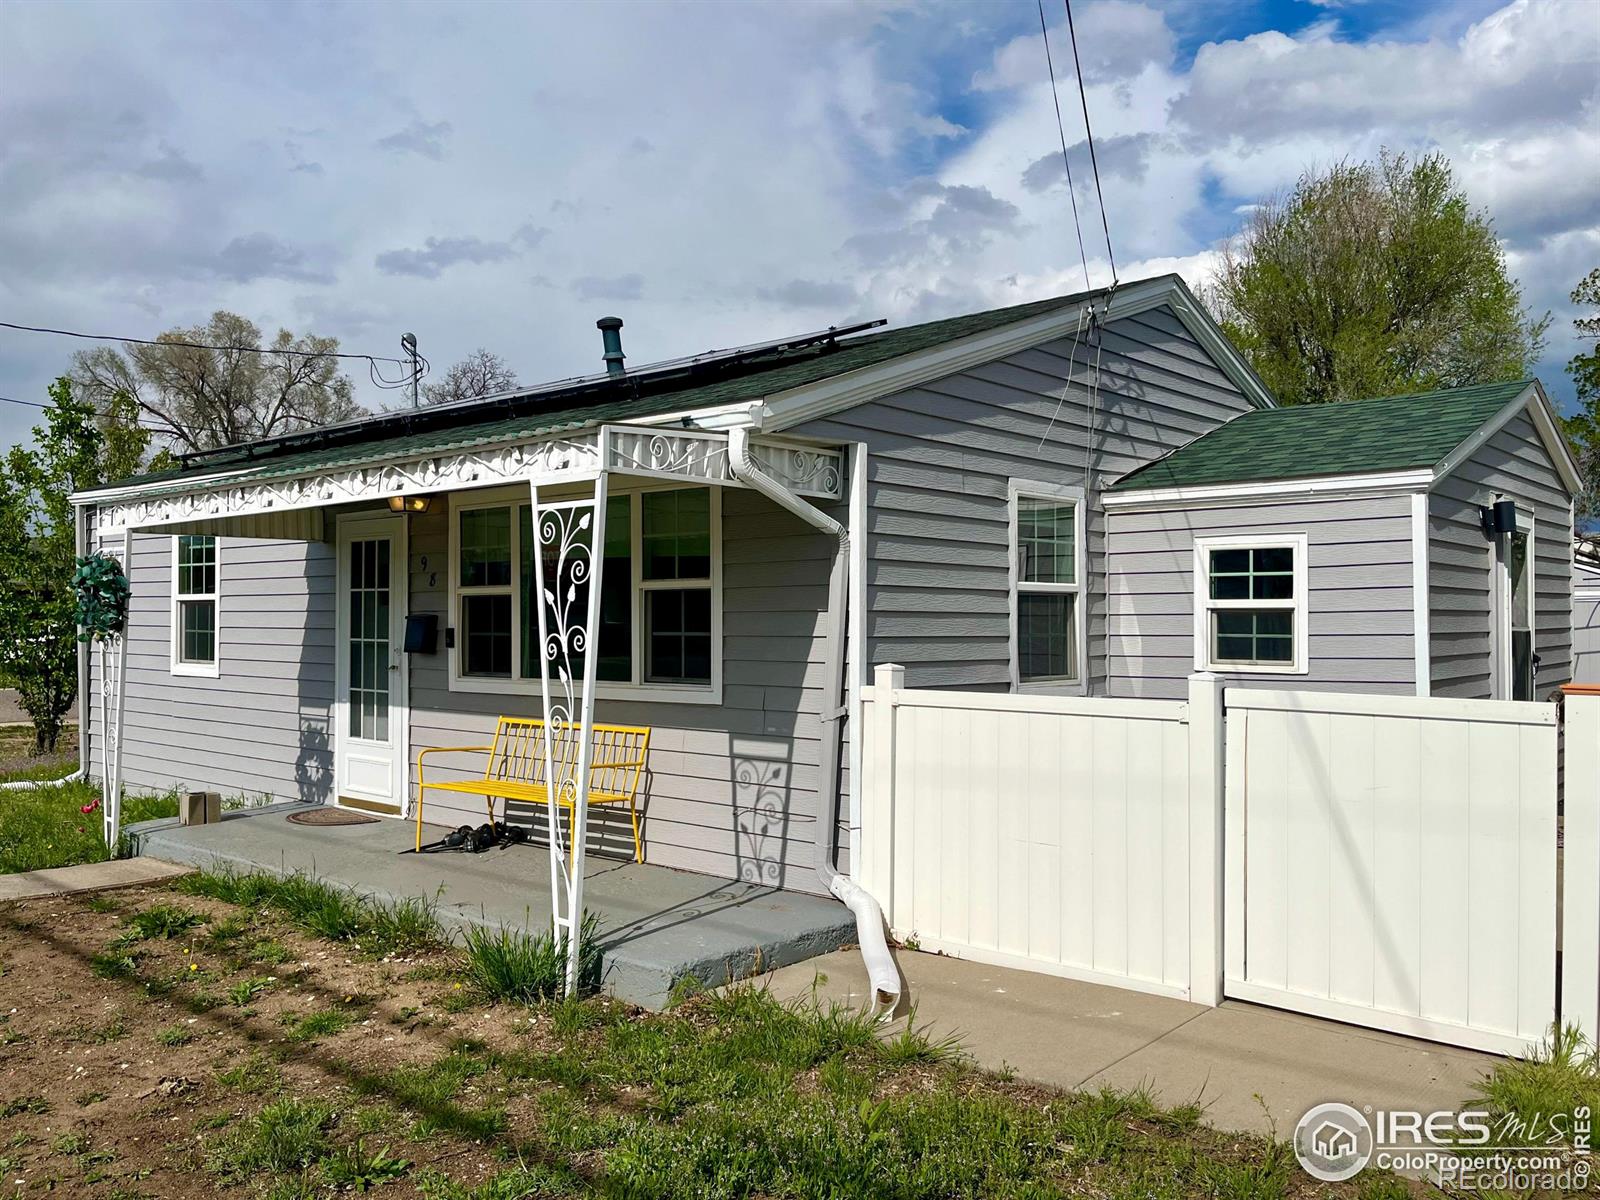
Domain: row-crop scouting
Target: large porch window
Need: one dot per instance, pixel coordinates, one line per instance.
(660, 611)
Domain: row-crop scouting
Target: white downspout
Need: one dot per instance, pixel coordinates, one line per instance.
(80, 517)
(881, 969)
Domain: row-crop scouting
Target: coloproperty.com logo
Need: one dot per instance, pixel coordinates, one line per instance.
(1465, 1150)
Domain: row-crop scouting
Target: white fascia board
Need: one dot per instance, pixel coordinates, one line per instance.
(99, 495)
(816, 400)
(1321, 487)
(1537, 405)
(1206, 331)
(724, 416)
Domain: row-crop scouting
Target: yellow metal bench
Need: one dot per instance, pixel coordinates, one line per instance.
(517, 768)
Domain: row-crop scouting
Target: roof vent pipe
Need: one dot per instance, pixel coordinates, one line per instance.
(611, 335)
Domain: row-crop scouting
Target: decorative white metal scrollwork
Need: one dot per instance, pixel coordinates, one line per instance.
(436, 472)
(564, 535)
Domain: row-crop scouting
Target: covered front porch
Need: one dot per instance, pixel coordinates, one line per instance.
(657, 927)
(389, 522)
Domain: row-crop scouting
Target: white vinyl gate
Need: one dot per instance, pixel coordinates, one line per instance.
(1391, 861)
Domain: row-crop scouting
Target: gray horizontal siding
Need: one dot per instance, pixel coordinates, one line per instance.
(261, 728)
(1513, 464)
(942, 454)
(1359, 611)
(731, 790)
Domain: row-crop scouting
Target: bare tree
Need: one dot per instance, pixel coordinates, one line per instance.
(481, 373)
(203, 397)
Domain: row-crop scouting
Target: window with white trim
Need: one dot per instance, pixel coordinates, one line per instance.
(1250, 604)
(1046, 544)
(660, 619)
(194, 605)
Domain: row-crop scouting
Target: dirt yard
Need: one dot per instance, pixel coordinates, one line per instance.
(156, 1042)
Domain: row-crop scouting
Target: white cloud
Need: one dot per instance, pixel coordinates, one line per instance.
(716, 179)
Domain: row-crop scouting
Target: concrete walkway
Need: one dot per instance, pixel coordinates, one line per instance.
(87, 877)
(1080, 1035)
(656, 925)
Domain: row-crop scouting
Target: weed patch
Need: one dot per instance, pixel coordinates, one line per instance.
(512, 965)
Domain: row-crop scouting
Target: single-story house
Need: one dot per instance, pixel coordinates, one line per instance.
(1586, 610)
(1092, 494)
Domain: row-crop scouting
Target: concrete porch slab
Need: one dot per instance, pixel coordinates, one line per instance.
(87, 877)
(657, 926)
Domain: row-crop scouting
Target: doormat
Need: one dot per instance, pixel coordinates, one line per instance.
(327, 815)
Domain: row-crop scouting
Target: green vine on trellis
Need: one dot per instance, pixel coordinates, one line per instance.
(102, 591)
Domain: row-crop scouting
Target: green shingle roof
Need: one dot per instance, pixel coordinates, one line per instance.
(588, 404)
(1392, 433)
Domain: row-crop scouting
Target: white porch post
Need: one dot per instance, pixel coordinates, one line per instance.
(574, 531)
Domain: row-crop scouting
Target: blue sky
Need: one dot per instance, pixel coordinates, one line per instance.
(501, 175)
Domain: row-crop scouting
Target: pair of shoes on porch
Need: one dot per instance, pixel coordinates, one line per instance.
(474, 841)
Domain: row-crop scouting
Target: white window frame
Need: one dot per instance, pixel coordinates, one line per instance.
(1504, 658)
(212, 669)
(637, 689)
(1031, 489)
(1299, 605)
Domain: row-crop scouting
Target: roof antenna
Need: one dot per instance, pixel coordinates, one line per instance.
(408, 343)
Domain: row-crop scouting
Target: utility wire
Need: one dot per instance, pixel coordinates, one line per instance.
(1089, 133)
(106, 337)
(1061, 131)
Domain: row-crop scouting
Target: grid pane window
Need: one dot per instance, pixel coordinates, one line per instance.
(656, 602)
(1253, 605)
(1253, 636)
(1045, 536)
(677, 534)
(486, 547)
(195, 631)
(678, 626)
(1046, 541)
(1265, 573)
(369, 647)
(486, 635)
(1045, 636)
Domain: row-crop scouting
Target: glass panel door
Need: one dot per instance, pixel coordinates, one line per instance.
(367, 647)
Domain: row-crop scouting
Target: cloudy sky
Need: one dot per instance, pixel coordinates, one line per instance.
(502, 174)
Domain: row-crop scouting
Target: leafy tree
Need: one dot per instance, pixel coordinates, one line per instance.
(204, 398)
(38, 631)
(1584, 427)
(481, 373)
(1372, 279)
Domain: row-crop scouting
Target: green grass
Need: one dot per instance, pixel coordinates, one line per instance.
(352, 1168)
(325, 910)
(523, 968)
(286, 1135)
(43, 827)
(323, 1023)
(175, 1035)
(1539, 1095)
(163, 921)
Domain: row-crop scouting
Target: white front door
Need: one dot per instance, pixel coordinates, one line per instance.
(370, 679)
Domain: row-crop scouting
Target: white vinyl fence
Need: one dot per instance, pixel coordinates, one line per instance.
(1040, 832)
(1386, 861)
(1392, 861)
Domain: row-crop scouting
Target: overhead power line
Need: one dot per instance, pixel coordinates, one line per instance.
(107, 337)
(1061, 132)
(1105, 224)
(415, 369)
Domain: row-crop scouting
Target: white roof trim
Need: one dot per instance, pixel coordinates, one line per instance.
(813, 401)
(1320, 487)
(1537, 404)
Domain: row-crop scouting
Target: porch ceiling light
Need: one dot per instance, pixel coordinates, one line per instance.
(409, 504)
